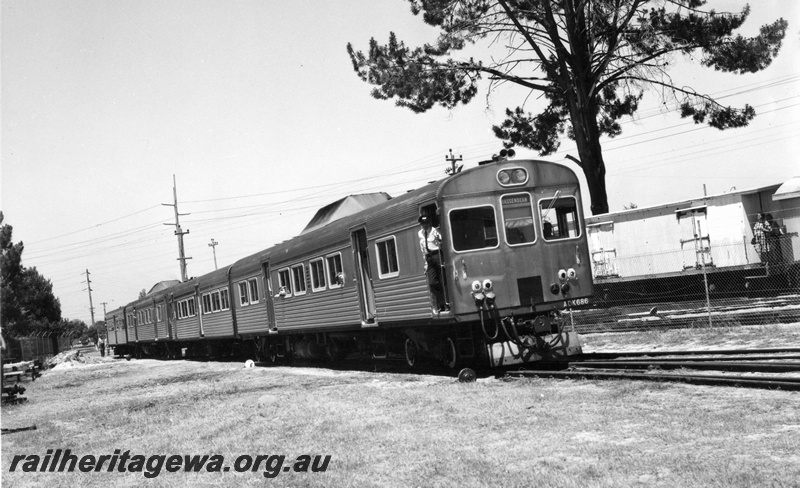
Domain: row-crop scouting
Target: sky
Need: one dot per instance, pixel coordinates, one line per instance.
(255, 110)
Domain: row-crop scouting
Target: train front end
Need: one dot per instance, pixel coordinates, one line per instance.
(518, 258)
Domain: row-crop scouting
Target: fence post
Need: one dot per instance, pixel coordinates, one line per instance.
(708, 298)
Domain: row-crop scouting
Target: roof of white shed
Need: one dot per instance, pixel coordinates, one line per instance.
(790, 189)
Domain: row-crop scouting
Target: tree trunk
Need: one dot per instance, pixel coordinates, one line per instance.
(595, 171)
(587, 138)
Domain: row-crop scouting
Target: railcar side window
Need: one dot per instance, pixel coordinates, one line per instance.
(518, 219)
(335, 274)
(243, 298)
(317, 274)
(253, 283)
(473, 228)
(226, 303)
(387, 258)
(186, 308)
(559, 218)
(215, 301)
(284, 283)
(299, 279)
(207, 303)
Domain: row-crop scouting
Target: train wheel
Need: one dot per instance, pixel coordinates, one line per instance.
(450, 354)
(272, 354)
(411, 352)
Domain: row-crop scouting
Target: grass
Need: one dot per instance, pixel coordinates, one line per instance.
(385, 429)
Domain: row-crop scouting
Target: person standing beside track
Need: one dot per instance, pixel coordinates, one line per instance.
(430, 241)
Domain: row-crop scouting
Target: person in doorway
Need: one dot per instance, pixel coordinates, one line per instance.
(761, 240)
(773, 240)
(430, 241)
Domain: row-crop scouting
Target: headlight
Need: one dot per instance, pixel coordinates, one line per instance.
(476, 286)
(562, 275)
(512, 176)
(572, 274)
(487, 285)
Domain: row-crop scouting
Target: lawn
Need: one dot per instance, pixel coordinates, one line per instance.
(383, 429)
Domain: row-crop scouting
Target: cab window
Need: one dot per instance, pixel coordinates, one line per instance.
(559, 218)
(473, 228)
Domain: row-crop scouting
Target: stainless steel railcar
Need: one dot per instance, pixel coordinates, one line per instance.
(514, 257)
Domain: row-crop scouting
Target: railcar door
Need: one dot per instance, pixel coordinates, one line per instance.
(269, 298)
(363, 276)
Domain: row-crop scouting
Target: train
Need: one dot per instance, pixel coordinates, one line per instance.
(514, 262)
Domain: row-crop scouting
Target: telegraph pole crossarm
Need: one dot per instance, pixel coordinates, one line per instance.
(453, 169)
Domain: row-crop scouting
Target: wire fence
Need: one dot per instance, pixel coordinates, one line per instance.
(701, 285)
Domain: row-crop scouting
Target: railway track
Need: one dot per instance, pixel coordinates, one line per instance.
(651, 366)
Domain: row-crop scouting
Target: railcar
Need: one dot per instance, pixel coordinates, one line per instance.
(514, 260)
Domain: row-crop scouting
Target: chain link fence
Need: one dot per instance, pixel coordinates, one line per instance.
(701, 285)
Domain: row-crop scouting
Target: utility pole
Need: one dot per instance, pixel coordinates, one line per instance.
(178, 232)
(213, 247)
(453, 169)
(89, 287)
(104, 309)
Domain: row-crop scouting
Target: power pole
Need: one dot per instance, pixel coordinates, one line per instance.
(213, 247)
(89, 287)
(178, 232)
(104, 309)
(453, 169)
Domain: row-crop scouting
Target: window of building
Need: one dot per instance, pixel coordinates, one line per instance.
(335, 273)
(559, 218)
(206, 303)
(518, 219)
(387, 258)
(473, 228)
(299, 279)
(317, 274)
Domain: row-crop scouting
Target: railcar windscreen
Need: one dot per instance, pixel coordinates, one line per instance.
(559, 218)
(473, 228)
(518, 219)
